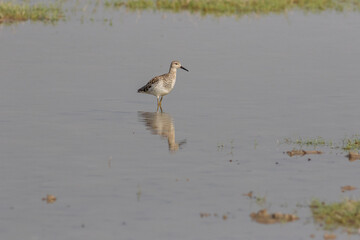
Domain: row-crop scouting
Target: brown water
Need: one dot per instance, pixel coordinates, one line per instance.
(73, 125)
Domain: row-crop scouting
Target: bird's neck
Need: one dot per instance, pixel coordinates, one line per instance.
(172, 70)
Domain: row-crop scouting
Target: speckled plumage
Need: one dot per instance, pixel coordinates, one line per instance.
(164, 81)
(162, 85)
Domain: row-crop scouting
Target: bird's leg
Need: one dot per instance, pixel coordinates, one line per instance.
(158, 105)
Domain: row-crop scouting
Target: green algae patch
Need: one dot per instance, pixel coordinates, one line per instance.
(16, 12)
(345, 214)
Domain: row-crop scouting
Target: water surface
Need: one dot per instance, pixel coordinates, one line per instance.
(73, 125)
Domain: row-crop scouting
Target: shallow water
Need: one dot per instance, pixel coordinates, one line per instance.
(73, 125)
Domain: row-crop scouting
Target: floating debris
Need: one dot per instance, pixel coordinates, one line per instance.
(49, 198)
(187, 180)
(329, 236)
(301, 152)
(205, 215)
(347, 188)
(353, 156)
(249, 194)
(262, 216)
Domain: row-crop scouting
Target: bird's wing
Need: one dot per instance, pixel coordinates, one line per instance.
(152, 82)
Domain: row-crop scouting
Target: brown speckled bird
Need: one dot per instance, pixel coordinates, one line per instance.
(162, 85)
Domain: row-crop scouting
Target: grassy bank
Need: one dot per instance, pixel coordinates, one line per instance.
(16, 12)
(237, 7)
(131, 4)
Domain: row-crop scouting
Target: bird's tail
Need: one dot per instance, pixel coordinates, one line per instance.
(142, 89)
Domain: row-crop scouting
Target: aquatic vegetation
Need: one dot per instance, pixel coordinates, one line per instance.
(347, 144)
(318, 141)
(114, 3)
(260, 201)
(220, 147)
(139, 4)
(15, 12)
(345, 214)
(237, 7)
(351, 144)
(130, 4)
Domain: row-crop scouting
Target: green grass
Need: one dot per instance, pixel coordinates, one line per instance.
(114, 3)
(351, 144)
(139, 4)
(237, 7)
(345, 214)
(317, 141)
(16, 12)
(130, 4)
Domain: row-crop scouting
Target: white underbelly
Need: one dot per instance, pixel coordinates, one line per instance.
(160, 90)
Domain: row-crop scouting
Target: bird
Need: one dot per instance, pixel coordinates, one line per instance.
(162, 85)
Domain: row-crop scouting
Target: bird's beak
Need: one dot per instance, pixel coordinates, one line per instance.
(184, 68)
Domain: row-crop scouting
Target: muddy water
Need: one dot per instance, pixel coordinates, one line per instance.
(73, 125)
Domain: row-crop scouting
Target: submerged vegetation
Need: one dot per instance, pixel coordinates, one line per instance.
(15, 12)
(345, 214)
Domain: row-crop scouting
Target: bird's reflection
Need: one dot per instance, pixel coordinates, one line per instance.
(160, 123)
